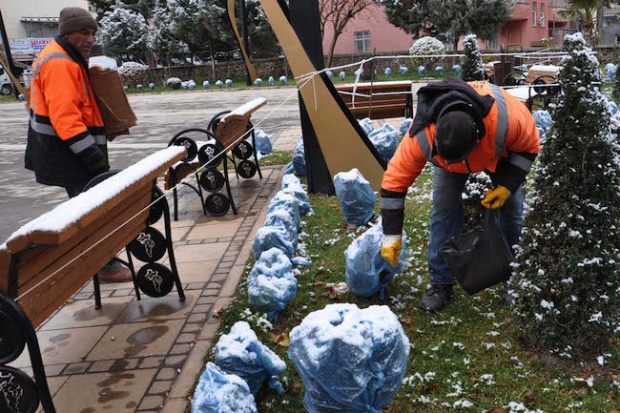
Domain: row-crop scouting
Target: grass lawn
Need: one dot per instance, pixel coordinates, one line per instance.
(467, 358)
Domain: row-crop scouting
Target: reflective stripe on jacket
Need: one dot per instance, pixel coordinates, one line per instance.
(66, 130)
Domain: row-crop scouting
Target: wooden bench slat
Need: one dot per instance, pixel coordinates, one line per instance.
(377, 100)
(35, 261)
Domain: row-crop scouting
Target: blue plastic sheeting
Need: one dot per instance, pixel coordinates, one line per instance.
(357, 199)
(303, 201)
(386, 140)
(350, 360)
(611, 70)
(241, 353)
(218, 392)
(271, 283)
(299, 158)
(263, 142)
(367, 273)
(367, 125)
(272, 237)
(612, 107)
(287, 202)
(282, 219)
(288, 180)
(543, 122)
(290, 168)
(404, 127)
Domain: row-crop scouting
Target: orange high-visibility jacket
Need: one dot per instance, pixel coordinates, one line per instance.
(66, 131)
(508, 150)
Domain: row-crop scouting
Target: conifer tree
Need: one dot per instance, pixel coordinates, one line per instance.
(566, 275)
(471, 63)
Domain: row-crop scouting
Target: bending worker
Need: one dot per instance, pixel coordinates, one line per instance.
(460, 128)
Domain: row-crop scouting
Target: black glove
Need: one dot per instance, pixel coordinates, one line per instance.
(98, 167)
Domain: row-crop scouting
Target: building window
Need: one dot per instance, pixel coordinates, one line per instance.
(491, 44)
(362, 42)
(618, 39)
(541, 21)
(534, 7)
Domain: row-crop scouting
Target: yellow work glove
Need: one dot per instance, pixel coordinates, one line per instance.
(496, 197)
(390, 250)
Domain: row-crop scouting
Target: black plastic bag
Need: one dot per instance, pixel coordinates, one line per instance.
(479, 258)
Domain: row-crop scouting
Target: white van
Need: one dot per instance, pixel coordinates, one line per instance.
(6, 85)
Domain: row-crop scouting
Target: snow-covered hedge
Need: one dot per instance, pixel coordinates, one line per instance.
(133, 73)
(425, 46)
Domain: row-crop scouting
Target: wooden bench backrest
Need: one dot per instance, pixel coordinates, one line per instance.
(61, 250)
(548, 72)
(233, 125)
(376, 100)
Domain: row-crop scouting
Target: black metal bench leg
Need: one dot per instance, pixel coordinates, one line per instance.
(97, 292)
(23, 394)
(228, 191)
(170, 248)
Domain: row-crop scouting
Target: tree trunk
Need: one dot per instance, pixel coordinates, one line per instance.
(332, 46)
(212, 59)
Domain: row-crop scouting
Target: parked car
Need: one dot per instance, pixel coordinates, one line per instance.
(6, 85)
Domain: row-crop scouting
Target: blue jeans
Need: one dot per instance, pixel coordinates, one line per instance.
(447, 219)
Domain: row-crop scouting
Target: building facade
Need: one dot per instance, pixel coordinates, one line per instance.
(31, 24)
(368, 32)
(610, 30)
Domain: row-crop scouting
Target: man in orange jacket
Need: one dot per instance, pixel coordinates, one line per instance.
(460, 128)
(66, 136)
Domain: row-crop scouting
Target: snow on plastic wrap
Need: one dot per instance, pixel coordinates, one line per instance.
(288, 180)
(241, 353)
(367, 125)
(612, 107)
(367, 273)
(611, 70)
(263, 142)
(350, 360)
(218, 392)
(287, 202)
(299, 158)
(357, 199)
(386, 140)
(404, 127)
(543, 123)
(303, 202)
(282, 219)
(271, 283)
(272, 237)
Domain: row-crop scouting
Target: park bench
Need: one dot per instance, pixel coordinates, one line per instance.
(50, 258)
(539, 83)
(225, 141)
(378, 100)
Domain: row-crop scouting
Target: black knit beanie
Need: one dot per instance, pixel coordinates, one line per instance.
(456, 136)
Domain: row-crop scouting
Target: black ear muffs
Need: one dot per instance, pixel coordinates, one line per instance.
(462, 106)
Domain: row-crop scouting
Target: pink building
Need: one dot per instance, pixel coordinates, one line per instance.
(531, 24)
(367, 32)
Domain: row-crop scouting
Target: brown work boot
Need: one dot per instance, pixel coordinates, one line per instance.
(120, 276)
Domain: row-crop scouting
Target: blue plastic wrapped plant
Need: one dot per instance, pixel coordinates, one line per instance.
(421, 70)
(258, 82)
(139, 87)
(612, 107)
(281, 218)
(271, 283)
(151, 85)
(263, 142)
(342, 75)
(283, 80)
(218, 392)
(357, 199)
(543, 122)
(404, 127)
(272, 237)
(271, 81)
(386, 140)
(367, 125)
(299, 158)
(206, 84)
(241, 353)
(403, 70)
(219, 84)
(191, 85)
(329, 74)
(611, 70)
(350, 360)
(303, 202)
(388, 72)
(367, 272)
(456, 69)
(229, 83)
(287, 202)
(439, 70)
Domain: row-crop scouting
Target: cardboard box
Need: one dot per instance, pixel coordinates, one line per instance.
(112, 101)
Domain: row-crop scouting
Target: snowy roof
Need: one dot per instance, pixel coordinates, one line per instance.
(72, 210)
